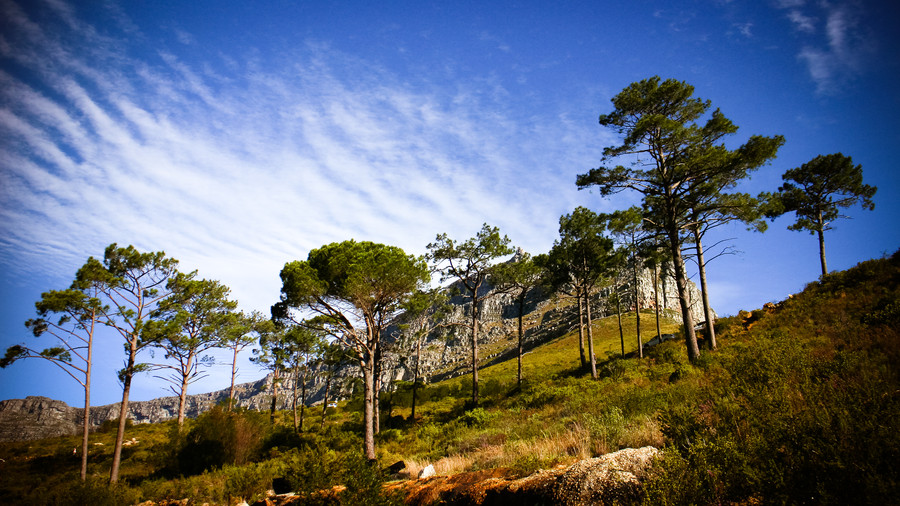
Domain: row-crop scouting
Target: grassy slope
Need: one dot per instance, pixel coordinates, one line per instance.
(799, 404)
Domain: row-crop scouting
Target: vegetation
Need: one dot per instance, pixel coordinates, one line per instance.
(470, 263)
(684, 163)
(817, 190)
(354, 290)
(799, 405)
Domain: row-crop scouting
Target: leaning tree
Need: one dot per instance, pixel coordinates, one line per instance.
(578, 262)
(519, 277)
(71, 316)
(132, 283)
(192, 320)
(671, 159)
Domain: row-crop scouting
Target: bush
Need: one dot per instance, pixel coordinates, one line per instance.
(219, 437)
(93, 491)
(476, 417)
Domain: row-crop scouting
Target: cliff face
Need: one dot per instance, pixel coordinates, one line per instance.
(446, 352)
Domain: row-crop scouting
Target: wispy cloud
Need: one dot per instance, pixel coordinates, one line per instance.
(236, 175)
(802, 22)
(835, 54)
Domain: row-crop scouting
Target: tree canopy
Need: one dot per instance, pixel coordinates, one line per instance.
(470, 263)
(354, 288)
(674, 160)
(816, 192)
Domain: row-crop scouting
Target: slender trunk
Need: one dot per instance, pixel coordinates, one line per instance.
(637, 306)
(303, 392)
(274, 395)
(475, 348)
(619, 318)
(821, 232)
(590, 334)
(369, 399)
(233, 374)
(182, 397)
(521, 333)
(86, 421)
(377, 386)
(704, 291)
(656, 298)
(415, 386)
(325, 401)
(581, 333)
(294, 398)
(123, 411)
(690, 337)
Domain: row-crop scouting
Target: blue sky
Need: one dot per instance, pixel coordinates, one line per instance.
(237, 136)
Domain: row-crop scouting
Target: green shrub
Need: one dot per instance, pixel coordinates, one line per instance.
(476, 417)
(220, 437)
(93, 491)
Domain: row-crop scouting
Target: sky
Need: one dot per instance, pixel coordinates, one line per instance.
(238, 136)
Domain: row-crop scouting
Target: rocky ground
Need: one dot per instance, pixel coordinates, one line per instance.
(615, 478)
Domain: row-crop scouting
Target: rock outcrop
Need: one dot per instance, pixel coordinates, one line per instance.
(616, 478)
(446, 353)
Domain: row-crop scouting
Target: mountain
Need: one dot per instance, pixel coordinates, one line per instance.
(445, 353)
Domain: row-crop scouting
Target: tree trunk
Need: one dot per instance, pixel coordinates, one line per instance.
(637, 305)
(123, 411)
(369, 399)
(821, 232)
(377, 387)
(303, 393)
(325, 401)
(619, 318)
(274, 395)
(182, 396)
(475, 347)
(656, 299)
(707, 311)
(415, 386)
(294, 399)
(581, 333)
(233, 374)
(521, 332)
(86, 421)
(590, 334)
(690, 337)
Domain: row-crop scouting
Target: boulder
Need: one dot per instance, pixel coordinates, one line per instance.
(427, 472)
(614, 478)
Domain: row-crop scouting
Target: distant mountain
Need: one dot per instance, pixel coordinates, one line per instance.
(445, 354)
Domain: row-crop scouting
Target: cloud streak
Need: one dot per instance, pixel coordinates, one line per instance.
(835, 55)
(236, 175)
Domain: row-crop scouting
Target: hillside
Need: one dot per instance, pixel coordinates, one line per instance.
(799, 405)
(445, 354)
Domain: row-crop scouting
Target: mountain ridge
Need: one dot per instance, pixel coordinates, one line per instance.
(445, 354)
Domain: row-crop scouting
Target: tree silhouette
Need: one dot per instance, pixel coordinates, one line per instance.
(816, 192)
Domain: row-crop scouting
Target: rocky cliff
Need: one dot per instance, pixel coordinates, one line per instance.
(445, 353)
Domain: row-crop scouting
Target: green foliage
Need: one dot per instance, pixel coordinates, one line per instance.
(817, 191)
(92, 491)
(111, 425)
(219, 437)
(799, 405)
(808, 412)
(476, 417)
